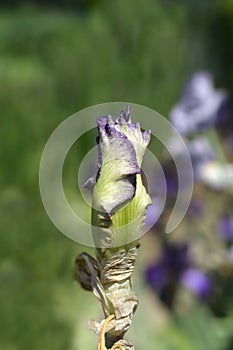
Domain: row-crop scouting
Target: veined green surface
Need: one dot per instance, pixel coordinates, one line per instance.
(128, 222)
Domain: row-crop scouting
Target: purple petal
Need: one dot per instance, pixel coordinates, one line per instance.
(113, 144)
(156, 276)
(197, 282)
(199, 104)
(89, 184)
(146, 136)
(121, 139)
(163, 274)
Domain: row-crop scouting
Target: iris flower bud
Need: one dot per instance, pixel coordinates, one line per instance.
(119, 204)
(120, 199)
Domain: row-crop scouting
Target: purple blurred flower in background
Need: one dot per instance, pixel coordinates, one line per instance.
(207, 170)
(225, 227)
(168, 182)
(224, 119)
(199, 105)
(202, 107)
(163, 275)
(197, 282)
(175, 267)
(202, 154)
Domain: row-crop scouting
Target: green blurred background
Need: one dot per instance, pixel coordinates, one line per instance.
(55, 59)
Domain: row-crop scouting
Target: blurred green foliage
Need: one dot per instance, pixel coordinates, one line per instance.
(54, 62)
